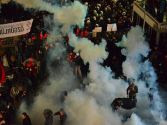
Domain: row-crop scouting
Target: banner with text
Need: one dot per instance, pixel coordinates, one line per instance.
(111, 27)
(15, 29)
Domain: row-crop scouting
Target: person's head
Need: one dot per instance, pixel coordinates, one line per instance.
(123, 13)
(97, 25)
(94, 12)
(94, 18)
(13, 58)
(9, 105)
(24, 115)
(65, 93)
(131, 81)
(132, 84)
(98, 8)
(88, 21)
(106, 9)
(109, 20)
(98, 5)
(101, 18)
(86, 3)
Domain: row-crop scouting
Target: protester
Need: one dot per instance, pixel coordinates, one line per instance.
(48, 114)
(132, 90)
(64, 95)
(25, 62)
(78, 63)
(74, 58)
(10, 114)
(26, 119)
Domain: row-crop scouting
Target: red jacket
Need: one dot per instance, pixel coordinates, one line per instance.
(77, 32)
(2, 74)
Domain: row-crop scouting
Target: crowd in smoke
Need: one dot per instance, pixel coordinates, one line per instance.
(88, 50)
(134, 66)
(91, 104)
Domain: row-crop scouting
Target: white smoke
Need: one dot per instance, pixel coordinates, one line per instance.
(136, 47)
(163, 123)
(61, 74)
(103, 86)
(88, 50)
(135, 43)
(134, 120)
(71, 15)
(66, 16)
(135, 50)
(92, 105)
(84, 110)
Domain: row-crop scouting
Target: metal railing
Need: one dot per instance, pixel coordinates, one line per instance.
(148, 18)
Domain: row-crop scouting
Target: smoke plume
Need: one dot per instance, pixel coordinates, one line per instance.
(92, 105)
(88, 51)
(66, 16)
(135, 50)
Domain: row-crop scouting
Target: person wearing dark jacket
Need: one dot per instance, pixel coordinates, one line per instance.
(26, 119)
(132, 90)
(48, 114)
(78, 62)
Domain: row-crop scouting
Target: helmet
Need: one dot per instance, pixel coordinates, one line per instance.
(86, 3)
(88, 21)
(101, 18)
(97, 25)
(94, 18)
(77, 54)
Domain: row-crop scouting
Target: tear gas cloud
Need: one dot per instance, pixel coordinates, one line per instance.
(65, 16)
(135, 120)
(88, 50)
(61, 79)
(134, 67)
(135, 43)
(84, 110)
(92, 105)
(136, 48)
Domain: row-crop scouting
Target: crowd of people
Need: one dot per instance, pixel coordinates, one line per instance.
(20, 65)
(21, 59)
(21, 73)
(100, 14)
